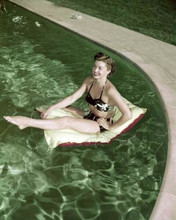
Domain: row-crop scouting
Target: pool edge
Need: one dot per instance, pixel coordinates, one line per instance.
(149, 55)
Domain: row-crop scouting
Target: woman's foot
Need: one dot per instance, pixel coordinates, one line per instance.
(20, 121)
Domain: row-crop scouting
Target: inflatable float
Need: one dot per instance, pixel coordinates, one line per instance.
(68, 137)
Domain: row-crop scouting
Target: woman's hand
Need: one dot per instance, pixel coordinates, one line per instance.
(104, 123)
(46, 112)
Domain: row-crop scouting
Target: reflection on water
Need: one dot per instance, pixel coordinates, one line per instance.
(41, 63)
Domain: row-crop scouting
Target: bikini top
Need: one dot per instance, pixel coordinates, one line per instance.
(99, 104)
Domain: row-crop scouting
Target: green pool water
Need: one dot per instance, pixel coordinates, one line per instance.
(40, 63)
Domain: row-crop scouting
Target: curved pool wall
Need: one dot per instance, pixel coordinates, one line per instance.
(153, 64)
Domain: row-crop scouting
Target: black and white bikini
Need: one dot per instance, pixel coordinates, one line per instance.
(100, 105)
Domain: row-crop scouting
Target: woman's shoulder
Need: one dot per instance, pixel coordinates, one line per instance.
(110, 85)
(111, 89)
(89, 80)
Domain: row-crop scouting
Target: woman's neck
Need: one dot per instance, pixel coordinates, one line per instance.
(100, 82)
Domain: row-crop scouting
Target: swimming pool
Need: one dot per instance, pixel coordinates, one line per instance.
(41, 63)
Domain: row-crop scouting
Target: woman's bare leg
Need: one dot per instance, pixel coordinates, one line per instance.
(75, 111)
(77, 124)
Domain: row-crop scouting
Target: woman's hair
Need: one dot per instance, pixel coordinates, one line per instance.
(108, 60)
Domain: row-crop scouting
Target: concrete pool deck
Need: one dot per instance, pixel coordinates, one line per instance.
(157, 60)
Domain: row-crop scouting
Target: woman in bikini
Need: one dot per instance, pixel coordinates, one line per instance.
(102, 97)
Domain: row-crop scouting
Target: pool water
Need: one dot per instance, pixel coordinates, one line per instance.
(40, 63)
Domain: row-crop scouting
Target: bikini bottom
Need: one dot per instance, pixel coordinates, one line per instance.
(93, 117)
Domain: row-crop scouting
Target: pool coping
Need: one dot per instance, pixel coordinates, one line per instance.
(155, 58)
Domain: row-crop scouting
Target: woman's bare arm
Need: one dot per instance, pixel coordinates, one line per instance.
(118, 101)
(122, 106)
(68, 100)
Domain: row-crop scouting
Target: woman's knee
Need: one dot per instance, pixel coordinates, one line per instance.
(94, 128)
(76, 124)
(97, 129)
(66, 121)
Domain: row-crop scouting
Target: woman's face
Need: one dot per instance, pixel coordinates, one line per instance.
(100, 70)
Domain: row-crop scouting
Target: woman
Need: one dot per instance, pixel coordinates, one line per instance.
(102, 97)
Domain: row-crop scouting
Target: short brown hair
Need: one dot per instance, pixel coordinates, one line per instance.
(108, 60)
